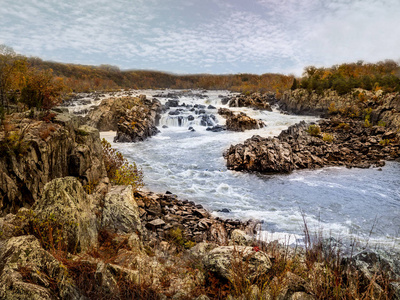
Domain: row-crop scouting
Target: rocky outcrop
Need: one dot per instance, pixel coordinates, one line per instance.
(240, 121)
(340, 143)
(255, 100)
(139, 122)
(108, 114)
(120, 211)
(66, 204)
(36, 152)
(27, 271)
(383, 108)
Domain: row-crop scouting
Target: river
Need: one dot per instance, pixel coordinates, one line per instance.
(361, 205)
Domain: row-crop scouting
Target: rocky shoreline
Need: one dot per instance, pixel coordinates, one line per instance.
(67, 233)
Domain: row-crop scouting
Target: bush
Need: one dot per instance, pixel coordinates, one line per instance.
(119, 169)
(327, 138)
(314, 130)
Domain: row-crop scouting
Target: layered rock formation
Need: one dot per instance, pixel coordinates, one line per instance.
(340, 143)
(255, 100)
(35, 152)
(240, 121)
(139, 122)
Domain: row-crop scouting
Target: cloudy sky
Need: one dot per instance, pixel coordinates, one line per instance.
(204, 36)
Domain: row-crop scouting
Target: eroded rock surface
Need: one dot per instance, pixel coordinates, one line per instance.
(340, 143)
(66, 203)
(44, 151)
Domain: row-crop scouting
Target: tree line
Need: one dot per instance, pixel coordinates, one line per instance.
(384, 75)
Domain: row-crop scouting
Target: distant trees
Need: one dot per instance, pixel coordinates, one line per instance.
(342, 78)
(22, 81)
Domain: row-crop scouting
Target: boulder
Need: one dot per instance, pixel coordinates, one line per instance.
(242, 122)
(254, 100)
(47, 151)
(224, 259)
(66, 204)
(139, 122)
(27, 271)
(120, 212)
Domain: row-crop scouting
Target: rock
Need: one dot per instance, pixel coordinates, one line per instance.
(254, 100)
(157, 223)
(242, 122)
(27, 271)
(225, 210)
(106, 116)
(65, 203)
(139, 122)
(216, 128)
(49, 150)
(211, 107)
(171, 103)
(224, 259)
(120, 211)
(296, 148)
(239, 237)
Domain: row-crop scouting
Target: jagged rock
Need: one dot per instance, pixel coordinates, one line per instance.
(65, 202)
(121, 212)
(254, 100)
(49, 150)
(139, 122)
(242, 122)
(296, 148)
(27, 271)
(106, 116)
(223, 260)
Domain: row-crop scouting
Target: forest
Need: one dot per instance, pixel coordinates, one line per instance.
(28, 82)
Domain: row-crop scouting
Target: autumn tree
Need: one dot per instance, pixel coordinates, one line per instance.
(42, 90)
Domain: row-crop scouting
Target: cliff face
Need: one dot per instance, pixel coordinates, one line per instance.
(35, 152)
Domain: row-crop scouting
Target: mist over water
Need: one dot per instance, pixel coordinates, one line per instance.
(361, 204)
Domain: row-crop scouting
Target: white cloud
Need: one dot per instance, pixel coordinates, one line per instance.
(212, 35)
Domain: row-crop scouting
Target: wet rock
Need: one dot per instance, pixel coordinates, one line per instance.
(216, 128)
(211, 107)
(172, 103)
(65, 202)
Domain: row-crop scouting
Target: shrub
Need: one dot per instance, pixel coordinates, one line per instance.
(381, 123)
(344, 126)
(119, 169)
(327, 138)
(384, 142)
(314, 130)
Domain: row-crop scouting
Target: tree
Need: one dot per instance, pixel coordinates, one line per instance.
(8, 59)
(42, 90)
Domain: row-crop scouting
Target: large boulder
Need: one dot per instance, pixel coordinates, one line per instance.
(27, 271)
(242, 122)
(227, 260)
(120, 211)
(42, 152)
(254, 100)
(66, 204)
(139, 122)
(107, 115)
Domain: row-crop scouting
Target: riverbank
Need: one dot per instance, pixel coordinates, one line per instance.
(118, 244)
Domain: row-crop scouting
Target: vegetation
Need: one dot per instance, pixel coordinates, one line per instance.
(345, 77)
(119, 170)
(314, 130)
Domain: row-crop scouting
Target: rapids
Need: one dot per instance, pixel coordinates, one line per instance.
(361, 205)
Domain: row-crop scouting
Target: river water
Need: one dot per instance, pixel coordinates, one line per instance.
(360, 205)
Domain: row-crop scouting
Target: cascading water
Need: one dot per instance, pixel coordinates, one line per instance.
(361, 204)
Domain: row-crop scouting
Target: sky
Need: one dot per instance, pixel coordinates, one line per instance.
(204, 36)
